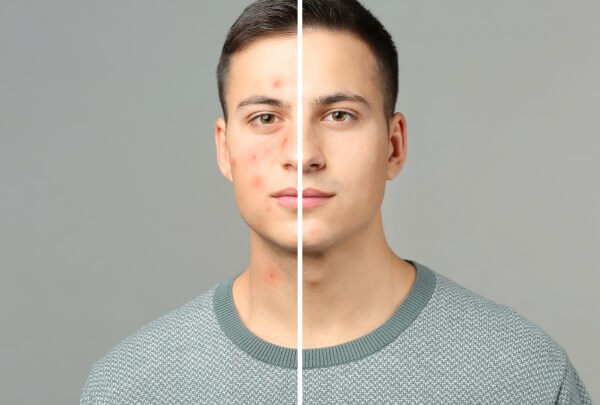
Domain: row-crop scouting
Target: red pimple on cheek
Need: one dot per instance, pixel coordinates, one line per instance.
(253, 157)
(283, 142)
(256, 182)
(233, 162)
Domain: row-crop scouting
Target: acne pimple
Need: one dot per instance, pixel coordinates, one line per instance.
(283, 142)
(233, 162)
(253, 157)
(256, 182)
(272, 274)
(277, 83)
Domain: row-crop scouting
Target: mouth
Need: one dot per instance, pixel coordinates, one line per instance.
(311, 197)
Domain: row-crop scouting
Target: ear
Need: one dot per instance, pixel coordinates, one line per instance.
(222, 151)
(396, 145)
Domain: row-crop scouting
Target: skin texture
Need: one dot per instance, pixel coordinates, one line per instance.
(352, 280)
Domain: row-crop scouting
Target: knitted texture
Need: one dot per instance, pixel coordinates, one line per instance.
(461, 349)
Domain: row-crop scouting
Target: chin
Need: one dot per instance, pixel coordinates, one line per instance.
(313, 246)
(285, 241)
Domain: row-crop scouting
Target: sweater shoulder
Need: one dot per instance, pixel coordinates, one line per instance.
(134, 361)
(487, 318)
(495, 333)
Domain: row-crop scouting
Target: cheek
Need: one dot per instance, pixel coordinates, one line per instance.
(283, 142)
(252, 168)
(257, 157)
(256, 182)
(366, 178)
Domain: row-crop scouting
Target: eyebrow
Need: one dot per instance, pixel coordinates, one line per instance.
(253, 100)
(340, 96)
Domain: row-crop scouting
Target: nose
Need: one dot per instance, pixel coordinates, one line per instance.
(312, 154)
(313, 159)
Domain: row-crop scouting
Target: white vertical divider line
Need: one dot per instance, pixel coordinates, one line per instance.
(299, 167)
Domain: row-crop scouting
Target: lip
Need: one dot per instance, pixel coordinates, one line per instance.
(311, 197)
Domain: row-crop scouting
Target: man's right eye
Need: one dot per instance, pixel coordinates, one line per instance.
(264, 119)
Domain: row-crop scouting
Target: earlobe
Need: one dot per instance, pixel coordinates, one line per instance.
(222, 151)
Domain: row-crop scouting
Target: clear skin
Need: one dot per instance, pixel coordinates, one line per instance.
(352, 280)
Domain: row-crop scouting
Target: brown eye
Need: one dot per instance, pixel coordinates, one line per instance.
(266, 118)
(340, 116)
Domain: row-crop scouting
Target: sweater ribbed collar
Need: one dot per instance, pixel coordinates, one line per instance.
(231, 324)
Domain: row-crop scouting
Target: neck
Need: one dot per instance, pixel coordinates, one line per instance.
(348, 290)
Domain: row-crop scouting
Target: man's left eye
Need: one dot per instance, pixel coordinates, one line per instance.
(340, 116)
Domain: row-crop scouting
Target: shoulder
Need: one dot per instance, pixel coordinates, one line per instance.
(470, 314)
(496, 338)
(124, 370)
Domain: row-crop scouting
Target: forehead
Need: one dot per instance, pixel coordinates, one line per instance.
(335, 60)
(332, 61)
(266, 65)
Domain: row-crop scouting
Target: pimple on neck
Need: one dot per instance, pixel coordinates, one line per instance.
(271, 274)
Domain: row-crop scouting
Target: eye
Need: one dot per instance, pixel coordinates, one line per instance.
(340, 116)
(264, 119)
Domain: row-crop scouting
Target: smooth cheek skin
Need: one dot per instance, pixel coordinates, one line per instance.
(369, 175)
(359, 164)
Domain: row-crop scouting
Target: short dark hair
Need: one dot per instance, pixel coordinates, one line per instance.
(263, 18)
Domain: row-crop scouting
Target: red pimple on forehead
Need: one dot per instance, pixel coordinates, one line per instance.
(277, 83)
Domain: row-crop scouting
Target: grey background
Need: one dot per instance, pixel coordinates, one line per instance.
(113, 211)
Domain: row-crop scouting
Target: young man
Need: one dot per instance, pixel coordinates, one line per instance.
(376, 328)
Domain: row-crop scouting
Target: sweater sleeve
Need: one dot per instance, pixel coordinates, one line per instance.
(572, 391)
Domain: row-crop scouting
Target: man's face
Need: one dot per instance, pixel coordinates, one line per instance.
(346, 143)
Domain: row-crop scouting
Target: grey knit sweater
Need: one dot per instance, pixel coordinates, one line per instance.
(444, 345)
